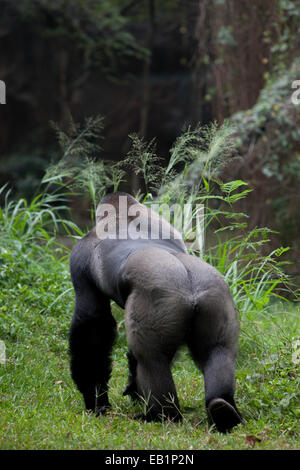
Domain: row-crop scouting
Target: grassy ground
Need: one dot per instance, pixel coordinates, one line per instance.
(41, 409)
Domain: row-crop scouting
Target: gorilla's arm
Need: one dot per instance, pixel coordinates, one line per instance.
(92, 332)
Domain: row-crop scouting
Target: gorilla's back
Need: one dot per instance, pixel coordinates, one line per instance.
(125, 227)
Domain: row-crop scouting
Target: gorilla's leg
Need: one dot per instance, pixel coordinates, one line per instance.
(92, 334)
(219, 377)
(213, 343)
(152, 381)
(156, 386)
(152, 346)
(218, 367)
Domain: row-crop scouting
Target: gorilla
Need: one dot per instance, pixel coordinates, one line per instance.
(170, 298)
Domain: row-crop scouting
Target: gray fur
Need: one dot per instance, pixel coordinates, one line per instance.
(170, 298)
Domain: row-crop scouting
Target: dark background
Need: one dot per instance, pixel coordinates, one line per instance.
(151, 67)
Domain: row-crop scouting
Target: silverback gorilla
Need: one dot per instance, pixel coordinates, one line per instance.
(170, 298)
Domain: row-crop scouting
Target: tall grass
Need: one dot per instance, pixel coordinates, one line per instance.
(231, 247)
(234, 249)
(77, 170)
(36, 224)
(39, 406)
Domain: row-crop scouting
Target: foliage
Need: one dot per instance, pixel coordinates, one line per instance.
(40, 407)
(97, 28)
(29, 246)
(268, 137)
(287, 27)
(204, 152)
(30, 165)
(37, 222)
(233, 248)
(241, 45)
(249, 67)
(142, 160)
(208, 149)
(78, 170)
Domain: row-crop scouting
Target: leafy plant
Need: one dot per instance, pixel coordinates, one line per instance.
(40, 407)
(268, 138)
(204, 151)
(28, 223)
(230, 246)
(97, 30)
(78, 170)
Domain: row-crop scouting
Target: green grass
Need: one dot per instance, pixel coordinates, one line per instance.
(41, 409)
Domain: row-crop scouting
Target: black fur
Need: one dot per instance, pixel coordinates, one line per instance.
(170, 298)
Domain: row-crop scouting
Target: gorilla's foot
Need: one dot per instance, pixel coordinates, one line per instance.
(223, 415)
(101, 410)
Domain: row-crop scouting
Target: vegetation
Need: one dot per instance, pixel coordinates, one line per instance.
(96, 29)
(40, 407)
(150, 67)
(268, 137)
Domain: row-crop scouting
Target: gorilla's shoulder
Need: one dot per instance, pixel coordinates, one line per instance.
(82, 250)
